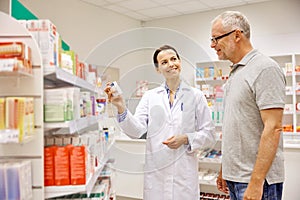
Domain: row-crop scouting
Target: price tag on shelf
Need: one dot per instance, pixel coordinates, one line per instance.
(7, 65)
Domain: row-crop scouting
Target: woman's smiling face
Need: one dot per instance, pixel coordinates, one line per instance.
(169, 64)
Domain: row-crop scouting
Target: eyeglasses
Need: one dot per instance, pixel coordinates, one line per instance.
(215, 39)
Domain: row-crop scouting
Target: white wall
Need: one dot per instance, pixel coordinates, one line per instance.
(81, 25)
(5, 6)
(275, 26)
(132, 52)
(95, 33)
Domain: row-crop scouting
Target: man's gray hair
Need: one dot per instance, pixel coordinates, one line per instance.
(234, 20)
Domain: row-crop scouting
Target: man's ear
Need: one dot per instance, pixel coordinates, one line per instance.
(238, 34)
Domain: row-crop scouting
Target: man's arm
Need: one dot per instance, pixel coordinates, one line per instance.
(272, 119)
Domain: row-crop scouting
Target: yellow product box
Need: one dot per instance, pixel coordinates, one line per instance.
(66, 62)
(74, 60)
(29, 114)
(15, 115)
(2, 113)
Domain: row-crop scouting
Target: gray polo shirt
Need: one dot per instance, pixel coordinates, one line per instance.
(255, 83)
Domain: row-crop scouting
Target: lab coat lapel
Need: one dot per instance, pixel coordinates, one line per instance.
(183, 90)
(165, 98)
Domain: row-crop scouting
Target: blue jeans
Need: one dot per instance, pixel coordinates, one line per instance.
(270, 192)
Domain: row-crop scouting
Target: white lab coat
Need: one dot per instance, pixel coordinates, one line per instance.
(171, 174)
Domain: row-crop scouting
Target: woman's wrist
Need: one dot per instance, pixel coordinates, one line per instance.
(121, 109)
(186, 140)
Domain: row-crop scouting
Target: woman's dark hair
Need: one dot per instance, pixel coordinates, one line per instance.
(162, 48)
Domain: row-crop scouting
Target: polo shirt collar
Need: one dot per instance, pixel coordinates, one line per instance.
(245, 59)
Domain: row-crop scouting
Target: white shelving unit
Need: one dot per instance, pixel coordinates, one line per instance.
(208, 76)
(291, 115)
(23, 85)
(19, 85)
(75, 126)
(56, 191)
(292, 118)
(60, 78)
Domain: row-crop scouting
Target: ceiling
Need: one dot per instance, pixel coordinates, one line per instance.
(146, 10)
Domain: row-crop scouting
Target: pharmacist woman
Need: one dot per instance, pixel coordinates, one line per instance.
(178, 123)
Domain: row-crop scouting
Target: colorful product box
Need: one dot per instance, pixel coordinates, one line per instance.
(66, 62)
(14, 49)
(3, 192)
(15, 56)
(74, 60)
(77, 165)
(2, 113)
(62, 166)
(47, 38)
(33, 28)
(55, 105)
(49, 166)
(16, 115)
(15, 178)
(48, 43)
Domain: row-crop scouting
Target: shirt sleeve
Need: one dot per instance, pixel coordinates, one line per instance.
(121, 117)
(269, 88)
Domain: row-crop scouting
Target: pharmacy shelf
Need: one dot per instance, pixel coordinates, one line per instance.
(210, 160)
(288, 112)
(291, 144)
(60, 78)
(15, 74)
(207, 182)
(57, 191)
(291, 134)
(28, 138)
(207, 82)
(98, 188)
(75, 125)
(291, 117)
(223, 78)
(28, 85)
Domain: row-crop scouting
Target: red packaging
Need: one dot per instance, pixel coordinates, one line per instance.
(49, 166)
(77, 165)
(62, 166)
(12, 50)
(80, 70)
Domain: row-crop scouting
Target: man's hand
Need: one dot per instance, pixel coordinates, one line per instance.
(253, 192)
(221, 183)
